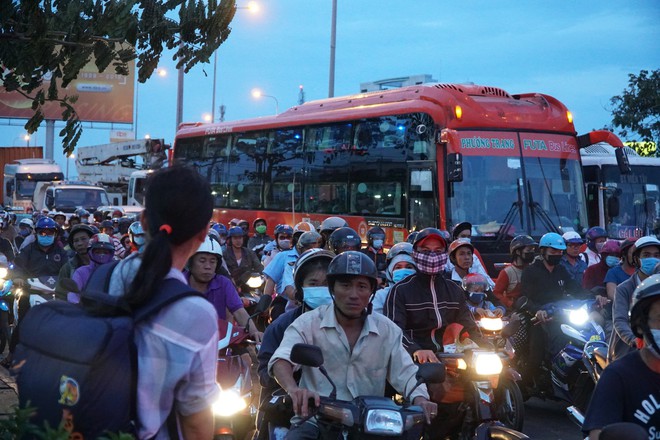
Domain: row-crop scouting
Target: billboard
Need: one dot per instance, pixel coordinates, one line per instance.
(102, 97)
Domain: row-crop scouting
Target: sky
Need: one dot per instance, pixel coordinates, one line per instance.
(579, 52)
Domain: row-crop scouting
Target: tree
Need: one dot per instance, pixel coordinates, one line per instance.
(59, 37)
(637, 111)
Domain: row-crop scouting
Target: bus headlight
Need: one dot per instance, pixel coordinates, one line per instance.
(579, 316)
(383, 421)
(487, 364)
(228, 404)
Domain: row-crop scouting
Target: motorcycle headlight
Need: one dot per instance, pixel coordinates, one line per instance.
(3, 272)
(491, 324)
(255, 281)
(383, 421)
(579, 316)
(228, 404)
(487, 364)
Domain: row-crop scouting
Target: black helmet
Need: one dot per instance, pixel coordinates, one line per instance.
(107, 224)
(307, 257)
(308, 239)
(344, 239)
(411, 237)
(400, 248)
(643, 296)
(520, 241)
(331, 223)
(77, 228)
(257, 220)
(460, 227)
(352, 263)
(429, 232)
(375, 233)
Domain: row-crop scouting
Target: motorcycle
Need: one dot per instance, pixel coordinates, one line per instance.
(39, 290)
(575, 369)
(235, 410)
(252, 297)
(366, 417)
(5, 295)
(484, 384)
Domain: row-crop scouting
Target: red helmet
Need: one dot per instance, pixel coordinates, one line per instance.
(474, 279)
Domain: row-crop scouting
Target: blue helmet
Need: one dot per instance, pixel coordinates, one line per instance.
(45, 223)
(220, 229)
(283, 229)
(552, 240)
(236, 231)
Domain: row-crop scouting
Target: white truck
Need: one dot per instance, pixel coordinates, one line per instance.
(21, 178)
(121, 167)
(67, 196)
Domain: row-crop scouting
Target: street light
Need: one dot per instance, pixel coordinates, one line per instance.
(26, 138)
(160, 72)
(333, 41)
(70, 156)
(256, 94)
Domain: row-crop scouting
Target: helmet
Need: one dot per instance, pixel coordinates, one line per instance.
(647, 241)
(242, 223)
(210, 246)
(552, 240)
(473, 279)
(399, 248)
(520, 241)
(375, 232)
(101, 241)
(220, 229)
(107, 224)
(54, 214)
(45, 223)
(257, 220)
(572, 237)
(460, 227)
(303, 226)
(352, 263)
(331, 223)
(234, 222)
(82, 212)
(310, 255)
(343, 239)
(461, 242)
(236, 231)
(117, 213)
(26, 222)
(135, 229)
(611, 247)
(595, 232)
(309, 239)
(411, 237)
(426, 233)
(283, 229)
(626, 244)
(645, 293)
(79, 228)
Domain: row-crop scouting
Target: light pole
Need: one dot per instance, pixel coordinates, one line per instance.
(70, 156)
(256, 93)
(333, 42)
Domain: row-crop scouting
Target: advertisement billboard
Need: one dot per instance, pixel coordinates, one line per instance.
(102, 97)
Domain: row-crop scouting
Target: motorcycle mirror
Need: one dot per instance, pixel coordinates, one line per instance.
(521, 303)
(69, 285)
(630, 431)
(431, 372)
(511, 328)
(262, 305)
(307, 355)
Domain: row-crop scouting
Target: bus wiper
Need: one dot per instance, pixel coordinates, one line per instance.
(516, 207)
(537, 210)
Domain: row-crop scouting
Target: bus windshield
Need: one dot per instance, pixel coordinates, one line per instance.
(632, 200)
(25, 186)
(532, 191)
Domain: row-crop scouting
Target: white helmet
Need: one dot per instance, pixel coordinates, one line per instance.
(26, 222)
(572, 237)
(210, 246)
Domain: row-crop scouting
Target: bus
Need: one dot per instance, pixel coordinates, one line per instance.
(403, 159)
(627, 205)
(21, 178)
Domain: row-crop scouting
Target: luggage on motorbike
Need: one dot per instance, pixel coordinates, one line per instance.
(77, 365)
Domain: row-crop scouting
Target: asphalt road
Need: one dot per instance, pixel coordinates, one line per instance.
(547, 420)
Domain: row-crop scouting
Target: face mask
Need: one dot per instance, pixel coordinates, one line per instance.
(260, 229)
(553, 260)
(400, 274)
(476, 297)
(528, 257)
(316, 296)
(612, 261)
(284, 244)
(430, 263)
(467, 239)
(139, 241)
(377, 244)
(45, 240)
(599, 246)
(24, 232)
(100, 258)
(655, 332)
(648, 264)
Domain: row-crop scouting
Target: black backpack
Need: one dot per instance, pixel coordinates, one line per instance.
(77, 365)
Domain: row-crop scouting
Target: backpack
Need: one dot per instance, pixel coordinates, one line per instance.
(77, 365)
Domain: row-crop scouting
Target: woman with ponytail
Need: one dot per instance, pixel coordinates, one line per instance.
(177, 345)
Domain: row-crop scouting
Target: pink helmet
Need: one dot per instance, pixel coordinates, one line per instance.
(611, 247)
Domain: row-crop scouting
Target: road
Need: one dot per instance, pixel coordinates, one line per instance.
(547, 420)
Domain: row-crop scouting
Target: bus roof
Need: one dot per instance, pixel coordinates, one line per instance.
(22, 166)
(603, 154)
(482, 107)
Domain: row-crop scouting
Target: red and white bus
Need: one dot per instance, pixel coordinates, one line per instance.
(403, 159)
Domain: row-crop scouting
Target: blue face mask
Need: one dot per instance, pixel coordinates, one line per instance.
(476, 297)
(377, 244)
(316, 296)
(24, 232)
(139, 241)
(648, 264)
(45, 240)
(400, 274)
(612, 261)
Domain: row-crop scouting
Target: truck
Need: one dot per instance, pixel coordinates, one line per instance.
(67, 196)
(23, 167)
(121, 166)
(625, 203)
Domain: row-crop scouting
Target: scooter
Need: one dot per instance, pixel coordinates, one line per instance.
(366, 417)
(39, 289)
(574, 370)
(5, 294)
(235, 410)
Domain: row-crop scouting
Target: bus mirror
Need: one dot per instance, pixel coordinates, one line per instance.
(454, 167)
(622, 161)
(613, 206)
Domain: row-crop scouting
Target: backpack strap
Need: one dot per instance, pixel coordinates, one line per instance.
(170, 291)
(99, 281)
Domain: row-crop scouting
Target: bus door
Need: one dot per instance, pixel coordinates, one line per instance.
(422, 196)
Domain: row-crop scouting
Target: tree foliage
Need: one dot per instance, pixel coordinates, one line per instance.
(636, 112)
(59, 37)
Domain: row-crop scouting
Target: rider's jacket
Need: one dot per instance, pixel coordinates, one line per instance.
(34, 261)
(423, 305)
(541, 286)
